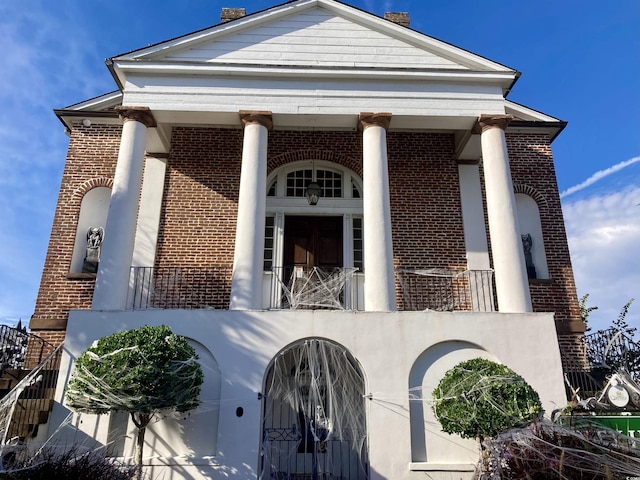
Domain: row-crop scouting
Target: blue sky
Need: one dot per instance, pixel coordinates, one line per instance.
(580, 62)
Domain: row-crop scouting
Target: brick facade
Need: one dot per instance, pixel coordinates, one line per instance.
(533, 173)
(91, 161)
(197, 224)
(426, 214)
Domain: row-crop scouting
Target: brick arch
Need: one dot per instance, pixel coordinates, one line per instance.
(539, 198)
(81, 191)
(314, 154)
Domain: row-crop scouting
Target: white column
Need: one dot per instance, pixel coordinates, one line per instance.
(112, 281)
(248, 257)
(379, 284)
(512, 285)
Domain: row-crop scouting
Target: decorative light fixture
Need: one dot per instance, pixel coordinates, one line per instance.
(313, 190)
(313, 193)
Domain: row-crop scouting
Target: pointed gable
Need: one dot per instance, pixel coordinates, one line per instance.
(316, 37)
(315, 33)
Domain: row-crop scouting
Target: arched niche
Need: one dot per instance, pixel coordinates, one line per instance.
(531, 231)
(93, 213)
(428, 443)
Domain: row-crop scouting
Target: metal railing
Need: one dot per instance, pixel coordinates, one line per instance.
(605, 352)
(296, 287)
(613, 349)
(13, 347)
(27, 382)
(21, 350)
(446, 290)
(194, 287)
(288, 455)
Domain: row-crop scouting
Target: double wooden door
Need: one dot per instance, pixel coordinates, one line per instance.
(313, 242)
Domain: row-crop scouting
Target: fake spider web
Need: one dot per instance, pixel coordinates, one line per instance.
(479, 398)
(89, 393)
(549, 450)
(314, 417)
(316, 287)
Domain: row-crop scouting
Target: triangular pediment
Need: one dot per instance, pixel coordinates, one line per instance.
(315, 33)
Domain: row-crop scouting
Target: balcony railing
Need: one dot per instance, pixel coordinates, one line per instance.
(187, 288)
(446, 290)
(209, 287)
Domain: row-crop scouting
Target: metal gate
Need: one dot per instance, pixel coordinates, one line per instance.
(314, 415)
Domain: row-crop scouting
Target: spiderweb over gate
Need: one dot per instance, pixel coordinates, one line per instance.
(314, 417)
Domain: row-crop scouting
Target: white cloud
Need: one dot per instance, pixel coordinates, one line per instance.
(599, 175)
(604, 239)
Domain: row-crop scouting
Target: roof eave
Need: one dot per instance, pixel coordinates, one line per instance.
(121, 68)
(553, 129)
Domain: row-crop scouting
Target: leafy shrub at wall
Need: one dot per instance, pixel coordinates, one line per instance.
(145, 372)
(479, 398)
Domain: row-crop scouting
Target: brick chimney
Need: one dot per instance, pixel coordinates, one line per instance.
(229, 14)
(401, 18)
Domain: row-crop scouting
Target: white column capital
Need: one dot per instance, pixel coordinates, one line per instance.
(369, 119)
(139, 114)
(487, 121)
(261, 117)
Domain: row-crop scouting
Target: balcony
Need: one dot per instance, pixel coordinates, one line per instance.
(290, 288)
(446, 290)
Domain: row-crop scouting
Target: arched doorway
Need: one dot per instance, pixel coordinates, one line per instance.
(314, 424)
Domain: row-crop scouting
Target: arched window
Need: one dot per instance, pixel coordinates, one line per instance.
(90, 230)
(532, 240)
(334, 181)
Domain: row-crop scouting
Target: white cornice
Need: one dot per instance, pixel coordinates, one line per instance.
(102, 102)
(504, 78)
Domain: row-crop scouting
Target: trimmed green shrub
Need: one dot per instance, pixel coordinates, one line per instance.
(479, 398)
(143, 372)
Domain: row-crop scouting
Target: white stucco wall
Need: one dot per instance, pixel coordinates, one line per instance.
(390, 348)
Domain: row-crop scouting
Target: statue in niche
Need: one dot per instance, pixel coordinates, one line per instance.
(95, 235)
(527, 245)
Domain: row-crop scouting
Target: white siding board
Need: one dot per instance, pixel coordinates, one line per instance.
(310, 97)
(315, 38)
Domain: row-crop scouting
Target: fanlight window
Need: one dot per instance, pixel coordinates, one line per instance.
(332, 184)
